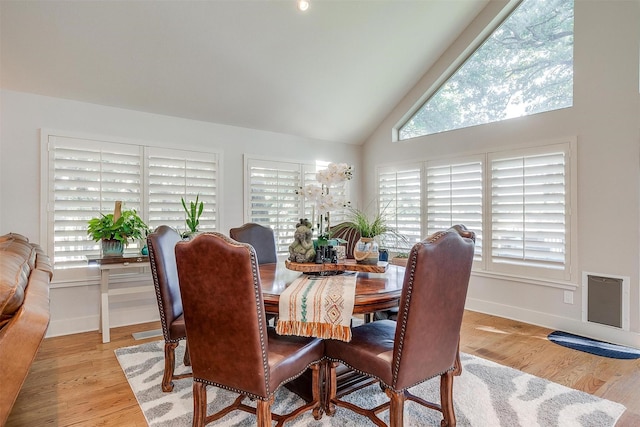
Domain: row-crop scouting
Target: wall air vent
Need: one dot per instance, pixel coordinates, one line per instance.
(606, 300)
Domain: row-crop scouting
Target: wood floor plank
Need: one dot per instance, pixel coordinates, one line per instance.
(76, 380)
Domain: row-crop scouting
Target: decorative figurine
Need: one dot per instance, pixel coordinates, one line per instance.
(301, 250)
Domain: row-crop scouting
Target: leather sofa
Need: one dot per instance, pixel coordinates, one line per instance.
(25, 274)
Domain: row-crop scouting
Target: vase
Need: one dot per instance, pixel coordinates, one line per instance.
(112, 247)
(366, 251)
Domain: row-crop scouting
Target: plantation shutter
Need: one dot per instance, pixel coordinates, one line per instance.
(176, 174)
(454, 196)
(399, 199)
(272, 198)
(528, 210)
(86, 178)
(309, 177)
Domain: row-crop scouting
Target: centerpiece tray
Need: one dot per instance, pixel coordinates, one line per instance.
(344, 265)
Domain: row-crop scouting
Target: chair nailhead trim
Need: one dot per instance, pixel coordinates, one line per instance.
(252, 395)
(154, 273)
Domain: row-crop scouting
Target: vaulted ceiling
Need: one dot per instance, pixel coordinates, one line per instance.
(331, 73)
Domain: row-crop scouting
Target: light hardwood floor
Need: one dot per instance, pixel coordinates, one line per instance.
(77, 381)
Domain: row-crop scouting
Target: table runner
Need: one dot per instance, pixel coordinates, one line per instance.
(318, 306)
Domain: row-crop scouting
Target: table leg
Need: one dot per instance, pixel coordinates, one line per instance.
(104, 305)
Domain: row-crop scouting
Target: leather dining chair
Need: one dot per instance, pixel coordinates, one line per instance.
(263, 241)
(424, 342)
(230, 344)
(161, 244)
(260, 237)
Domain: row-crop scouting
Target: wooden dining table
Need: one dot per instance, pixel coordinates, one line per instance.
(374, 292)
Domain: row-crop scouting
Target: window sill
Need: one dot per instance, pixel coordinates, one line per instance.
(549, 283)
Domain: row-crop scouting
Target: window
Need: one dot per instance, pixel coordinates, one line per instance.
(173, 174)
(525, 67)
(85, 177)
(273, 200)
(518, 202)
(399, 201)
(529, 210)
(454, 196)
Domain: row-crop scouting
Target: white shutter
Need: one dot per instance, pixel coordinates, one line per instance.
(174, 174)
(528, 210)
(399, 200)
(454, 196)
(86, 178)
(309, 178)
(272, 199)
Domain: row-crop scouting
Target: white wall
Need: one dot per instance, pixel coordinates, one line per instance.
(605, 120)
(75, 308)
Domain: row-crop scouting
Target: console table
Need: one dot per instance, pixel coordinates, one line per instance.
(107, 264)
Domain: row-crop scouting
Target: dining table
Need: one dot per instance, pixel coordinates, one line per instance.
(377, 289)
(374, 291)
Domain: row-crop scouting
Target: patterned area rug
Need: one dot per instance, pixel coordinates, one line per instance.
(486, 394)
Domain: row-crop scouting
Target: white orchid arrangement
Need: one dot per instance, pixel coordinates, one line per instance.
(333, 177)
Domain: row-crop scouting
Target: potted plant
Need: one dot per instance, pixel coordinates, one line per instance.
(370, 228)
(115, 234)
(194, 210)
(401, 258)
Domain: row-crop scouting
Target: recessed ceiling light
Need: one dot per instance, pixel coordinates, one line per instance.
(303, 5)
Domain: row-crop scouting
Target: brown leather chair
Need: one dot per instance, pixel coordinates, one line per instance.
(424, 342)
(161, 244)
(260, 237)
(230, 344)
(339, 231)
(263, 241)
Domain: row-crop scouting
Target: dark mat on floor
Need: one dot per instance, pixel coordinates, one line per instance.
(599, 348)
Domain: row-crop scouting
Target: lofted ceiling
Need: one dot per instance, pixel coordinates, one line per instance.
(331, 73)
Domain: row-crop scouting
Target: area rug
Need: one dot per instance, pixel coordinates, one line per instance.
(485, 395)
(588, 345)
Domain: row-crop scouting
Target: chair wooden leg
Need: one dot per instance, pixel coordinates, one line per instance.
(169, 365)
(457, 365)
(263, 412)
(331, 387)
(187, 357)
(396, 408)
(446, 399)
(199, 404)
(317, 374)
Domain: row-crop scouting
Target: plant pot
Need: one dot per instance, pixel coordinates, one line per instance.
(190, 235)
(112, 247)
(366, 251)
(399, 261)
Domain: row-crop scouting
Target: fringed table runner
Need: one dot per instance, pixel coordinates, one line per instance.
(318, 306)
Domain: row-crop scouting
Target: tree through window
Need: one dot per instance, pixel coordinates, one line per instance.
(525, 67)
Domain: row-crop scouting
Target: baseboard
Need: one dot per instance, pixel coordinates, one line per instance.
(91, 323)
(587, 329)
